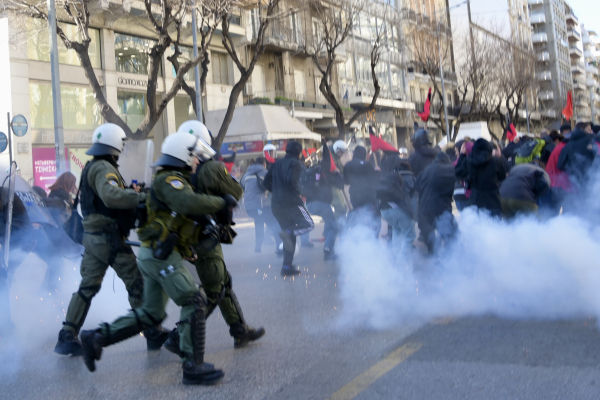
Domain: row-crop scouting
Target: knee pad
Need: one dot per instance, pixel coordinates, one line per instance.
(88, 299)
(136, 289)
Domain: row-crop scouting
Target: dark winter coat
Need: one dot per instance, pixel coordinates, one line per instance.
(548, 149)
(483, 174)
(578, 155)
(435, 187)
(254, 196)
(362, 178)
(392, 193)
(324, 192)
(283, 179)
(526, 182)
(510, 150)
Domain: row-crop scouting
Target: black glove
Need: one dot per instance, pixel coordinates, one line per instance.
(230, 201)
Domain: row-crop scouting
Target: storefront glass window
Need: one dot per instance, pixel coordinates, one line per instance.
(184, 111)
(38, 47)
(132, 54)
(78, 107)
(132, 109)
(187, 54)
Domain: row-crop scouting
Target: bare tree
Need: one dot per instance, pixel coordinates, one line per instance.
(425, 44)
(268, 10)
(166, 18)
(515, 79)
(335, 21)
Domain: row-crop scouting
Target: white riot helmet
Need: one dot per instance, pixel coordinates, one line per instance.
(108, 140)
(179, 149)
(200, 131)
(403, 151)
(270, 150)
(197, 129)
(340, 146)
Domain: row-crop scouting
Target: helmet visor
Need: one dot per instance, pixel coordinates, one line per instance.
(203, 151)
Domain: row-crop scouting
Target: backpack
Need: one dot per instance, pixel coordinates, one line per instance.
(260, 182)
(310, 180)
(529, 151)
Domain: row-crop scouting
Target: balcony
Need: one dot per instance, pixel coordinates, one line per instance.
(575, 52)
(543, 56)
(535, 2)
(544, 76)
(592, 83)
(582, 101)
(591, 69)
(538, 18)
(546, 95)
(541, 37)
(573, 35)
(572, 18)
(577, 69)
(578, 84)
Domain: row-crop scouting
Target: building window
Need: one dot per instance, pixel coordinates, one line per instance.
(184, 110)
(346, 71)
(132, 54)
(219, 68)
(38, 46)
(187, 54)
(412, 94)
(296, 25)
(78, 107)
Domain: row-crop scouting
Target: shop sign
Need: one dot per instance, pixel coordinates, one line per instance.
(133, 82)
(44, 166)
(378, 117)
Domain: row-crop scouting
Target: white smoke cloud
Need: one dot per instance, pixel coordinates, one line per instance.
(522, 269)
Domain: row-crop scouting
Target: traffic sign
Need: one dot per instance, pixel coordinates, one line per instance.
(3, 142)
(19, 125)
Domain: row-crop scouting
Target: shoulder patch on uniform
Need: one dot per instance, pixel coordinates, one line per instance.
(175, 181)
(111, 175)
(113, 183)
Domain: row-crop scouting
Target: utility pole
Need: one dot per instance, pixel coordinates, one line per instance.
(442, 76)
(59, 143)
(472, 42)
(197, 67)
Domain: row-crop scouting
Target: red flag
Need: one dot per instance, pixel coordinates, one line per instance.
(511, 132)
(568, 110)
(269, 159)
(380, 144)
(327, 164)
(426, 109)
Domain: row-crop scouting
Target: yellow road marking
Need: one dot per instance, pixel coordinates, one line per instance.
(367, 378)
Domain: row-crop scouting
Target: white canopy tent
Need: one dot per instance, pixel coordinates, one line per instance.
(259, 122)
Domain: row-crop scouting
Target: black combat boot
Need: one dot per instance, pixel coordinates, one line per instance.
(201, 373)
(92, 343)
(155, 337)
(288, 270)
(243, 334)
(68, 344)
(172, 342)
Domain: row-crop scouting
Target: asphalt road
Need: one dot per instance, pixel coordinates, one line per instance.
(306, 353)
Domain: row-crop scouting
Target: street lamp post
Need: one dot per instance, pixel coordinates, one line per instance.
(442, 77)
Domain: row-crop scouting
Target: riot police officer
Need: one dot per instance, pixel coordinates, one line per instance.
(108, 209)
(212, 178)
(166, 238)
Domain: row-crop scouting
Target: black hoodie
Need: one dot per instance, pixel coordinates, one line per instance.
(578, 155)
(435, 186)
(483, 173)
(283, 179)
(362, 178)
(423, 156)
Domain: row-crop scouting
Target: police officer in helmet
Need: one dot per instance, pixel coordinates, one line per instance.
(167, 236)
(108, 209)
(212, 178)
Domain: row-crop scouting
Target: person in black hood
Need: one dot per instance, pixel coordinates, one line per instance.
(283, 180)
(577, 156)
(394, 197)
(363, 179)
(424, 152)
(551, 140)
(435, 187)
(483, 172)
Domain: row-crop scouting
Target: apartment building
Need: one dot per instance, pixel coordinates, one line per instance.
(591, 54)
(557, 52)
(581, 98)
(119, 53)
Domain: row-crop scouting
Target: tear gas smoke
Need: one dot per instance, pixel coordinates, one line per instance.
(519, 269)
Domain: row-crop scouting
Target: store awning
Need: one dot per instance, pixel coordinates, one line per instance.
(259, 122)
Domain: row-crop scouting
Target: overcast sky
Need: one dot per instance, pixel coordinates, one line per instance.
(588, 12)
